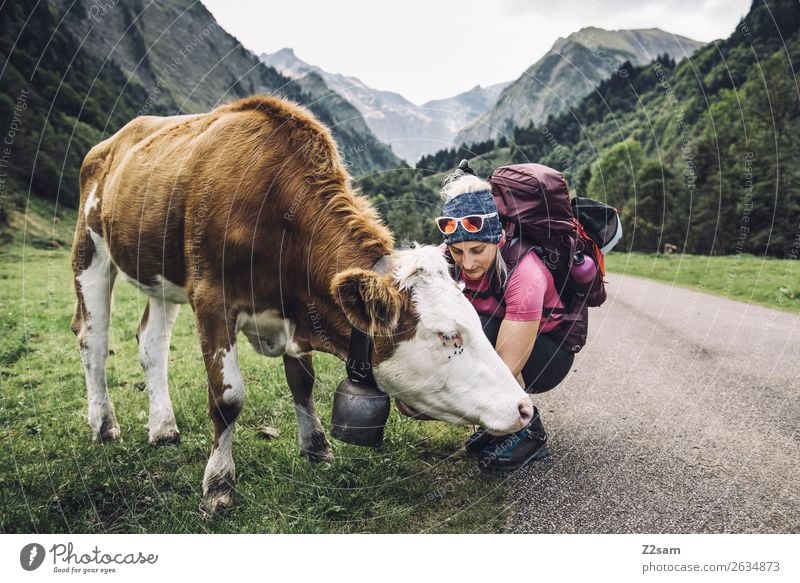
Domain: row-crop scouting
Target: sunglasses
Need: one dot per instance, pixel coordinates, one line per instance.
(470, 223)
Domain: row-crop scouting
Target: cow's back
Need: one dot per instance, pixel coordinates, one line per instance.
(185, 197)
(235, 194)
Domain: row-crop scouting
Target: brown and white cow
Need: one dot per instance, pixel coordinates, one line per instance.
(247, 214)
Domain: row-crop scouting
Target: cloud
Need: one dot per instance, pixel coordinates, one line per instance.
(428, 49)
(703, 20)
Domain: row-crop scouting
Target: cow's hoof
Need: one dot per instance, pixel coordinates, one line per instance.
(110, 434)
(217, 493)
(212, 506)
(164, 437)
(316, 449)
(318, 456)
(109, 431)
(103, 423)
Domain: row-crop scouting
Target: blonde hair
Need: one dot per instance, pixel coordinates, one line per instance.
(458, 183)
(500, 268)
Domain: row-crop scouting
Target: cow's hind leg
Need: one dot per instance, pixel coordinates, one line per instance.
(300, 376)
(94, 280)
(225, 400)
(153, 336)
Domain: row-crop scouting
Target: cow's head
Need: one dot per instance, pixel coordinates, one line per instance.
(430, 350)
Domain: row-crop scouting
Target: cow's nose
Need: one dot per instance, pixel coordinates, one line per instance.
(525, 410)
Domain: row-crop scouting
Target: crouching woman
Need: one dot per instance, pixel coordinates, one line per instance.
(517, 310)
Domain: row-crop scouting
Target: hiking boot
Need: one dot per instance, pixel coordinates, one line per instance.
(478, 441)
(509, 452)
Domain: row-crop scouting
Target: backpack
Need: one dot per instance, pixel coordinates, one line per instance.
(600, 221)
(534, 206)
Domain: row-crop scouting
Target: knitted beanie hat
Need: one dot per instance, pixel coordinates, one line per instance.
(473, 203)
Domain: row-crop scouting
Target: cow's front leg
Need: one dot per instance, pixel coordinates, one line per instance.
(300, 376)
(225, 401)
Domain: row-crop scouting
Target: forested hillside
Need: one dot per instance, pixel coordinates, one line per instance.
(702, 154)
(61, 91)
(53, 104)
(569, 71)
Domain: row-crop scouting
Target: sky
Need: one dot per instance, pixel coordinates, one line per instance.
(433, 49)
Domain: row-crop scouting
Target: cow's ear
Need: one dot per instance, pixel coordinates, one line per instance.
(369, 300)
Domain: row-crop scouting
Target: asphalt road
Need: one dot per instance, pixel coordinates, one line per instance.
(681, 415)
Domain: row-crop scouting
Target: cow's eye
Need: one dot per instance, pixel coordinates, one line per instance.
(452, 338)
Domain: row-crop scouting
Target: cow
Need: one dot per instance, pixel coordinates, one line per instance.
(247, 214)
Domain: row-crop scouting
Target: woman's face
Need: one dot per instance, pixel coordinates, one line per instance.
(474, 258)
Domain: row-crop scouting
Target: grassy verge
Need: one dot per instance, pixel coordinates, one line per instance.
(53, 479)
(769, 282)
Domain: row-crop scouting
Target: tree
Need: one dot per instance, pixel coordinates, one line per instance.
(405, 219)
(657, 220)
(614, 182)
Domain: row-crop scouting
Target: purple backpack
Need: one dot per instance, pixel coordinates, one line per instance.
(534, 206)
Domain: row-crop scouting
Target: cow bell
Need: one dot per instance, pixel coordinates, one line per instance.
(359, 413)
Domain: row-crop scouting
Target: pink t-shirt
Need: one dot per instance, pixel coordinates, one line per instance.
(529, 289)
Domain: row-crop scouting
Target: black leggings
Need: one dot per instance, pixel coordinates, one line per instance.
(547, 365)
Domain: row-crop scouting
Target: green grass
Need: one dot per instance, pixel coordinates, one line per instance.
(53, 479)
(766, 281)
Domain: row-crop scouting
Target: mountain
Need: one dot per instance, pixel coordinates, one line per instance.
(571, 69)
(411, 130)
(188, 63)
(701, 154)
(466, 105)
(359, 147)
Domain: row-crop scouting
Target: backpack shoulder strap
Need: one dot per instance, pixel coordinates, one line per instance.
(512, 252)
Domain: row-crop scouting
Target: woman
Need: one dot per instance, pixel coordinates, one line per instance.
(514, 322)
